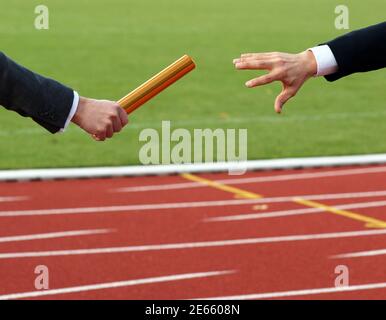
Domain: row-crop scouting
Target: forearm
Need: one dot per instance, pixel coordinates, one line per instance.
(44, 100)
(359, 51)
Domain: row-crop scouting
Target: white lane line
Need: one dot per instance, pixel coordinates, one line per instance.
(179, 205)
(113, 285)
(360, 254)
(52, 235)
(305, 292)
(159, 187)
(193, 245)
(265, 215)
(286, 177)
(286, 213)
(12, 199)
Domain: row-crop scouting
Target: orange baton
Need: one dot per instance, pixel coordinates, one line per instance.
(158, 83)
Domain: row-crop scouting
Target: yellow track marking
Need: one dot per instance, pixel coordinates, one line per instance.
(370, 222)
(239, 193)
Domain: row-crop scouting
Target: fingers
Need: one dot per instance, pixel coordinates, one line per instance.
(260, 55)
(95, 137)
(123, 117)
(283, 97)
(100, 135)
(116, 124)
(104, 133)
(265, 79)
(110, 131)
(252, 64)
(259, 61)
(113, 120)
(120, 120)
(255, 61)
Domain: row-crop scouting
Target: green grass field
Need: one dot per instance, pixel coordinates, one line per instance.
(103, 49)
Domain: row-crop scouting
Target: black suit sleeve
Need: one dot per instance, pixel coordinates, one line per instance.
(359, 51)
(44, 100)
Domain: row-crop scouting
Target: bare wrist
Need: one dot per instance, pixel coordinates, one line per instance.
(81, 105)
(309, 61)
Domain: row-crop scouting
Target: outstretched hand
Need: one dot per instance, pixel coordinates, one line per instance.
(100, 118)
(292, 70)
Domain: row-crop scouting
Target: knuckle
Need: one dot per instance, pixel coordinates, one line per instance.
(112, 115)
(279, 62)
(100, 137)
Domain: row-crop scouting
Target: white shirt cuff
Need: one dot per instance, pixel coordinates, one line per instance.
(325, 60)
(74, 107)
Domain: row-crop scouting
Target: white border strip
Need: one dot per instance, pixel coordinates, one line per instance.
(304, 292)
(193, 245)
(114, 285)
(54, 235)
(103, 172)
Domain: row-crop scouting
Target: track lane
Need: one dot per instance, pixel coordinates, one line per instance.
(267, 267)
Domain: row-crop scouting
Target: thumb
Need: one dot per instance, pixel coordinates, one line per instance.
(283, 97)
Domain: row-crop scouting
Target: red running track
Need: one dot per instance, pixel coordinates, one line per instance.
(169, 238)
